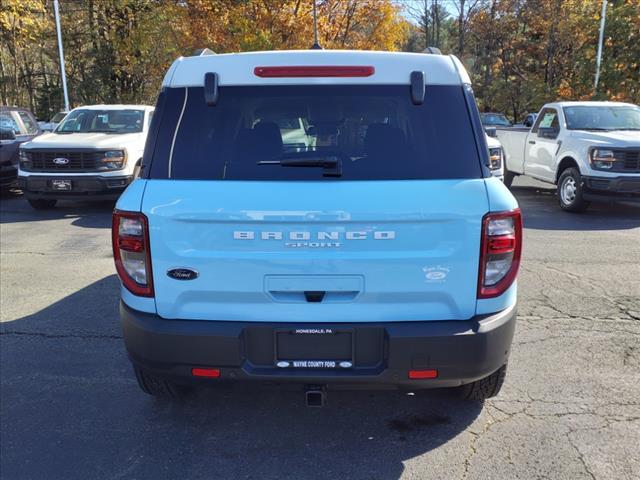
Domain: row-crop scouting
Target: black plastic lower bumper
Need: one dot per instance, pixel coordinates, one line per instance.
(612, 189)
(8, 175)
(461, 351)
(85, 187)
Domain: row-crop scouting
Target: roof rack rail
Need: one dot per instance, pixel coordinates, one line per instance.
(432, 51)
(203, 51)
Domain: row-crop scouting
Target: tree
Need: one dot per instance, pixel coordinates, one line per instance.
(429, 16)
(522, 54)
(22, 23)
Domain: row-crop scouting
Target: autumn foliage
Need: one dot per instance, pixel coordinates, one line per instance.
(520, 53)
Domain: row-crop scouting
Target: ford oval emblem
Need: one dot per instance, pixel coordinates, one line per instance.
(61, 161)
(182, 273)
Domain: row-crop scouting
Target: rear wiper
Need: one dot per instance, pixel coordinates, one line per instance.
(332, 165)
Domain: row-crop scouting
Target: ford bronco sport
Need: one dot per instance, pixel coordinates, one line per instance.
(325, 218)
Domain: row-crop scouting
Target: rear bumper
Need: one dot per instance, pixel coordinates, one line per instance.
(82, 187)
(462, 351)
(612, 189)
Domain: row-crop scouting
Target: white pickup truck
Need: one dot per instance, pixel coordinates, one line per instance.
(590, 150)
(93, 154)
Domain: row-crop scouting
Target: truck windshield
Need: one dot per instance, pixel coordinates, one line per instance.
(602, 117)
(102, 121)
(342, 132)
(495, 119)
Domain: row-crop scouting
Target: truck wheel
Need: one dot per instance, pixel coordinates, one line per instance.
(486, 387)
(42, 203)
(570, 191)
(157, 386)
(508, 178)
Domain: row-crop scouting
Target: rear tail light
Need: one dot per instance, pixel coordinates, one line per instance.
(314, 71)
(501, 247)
(130, 238)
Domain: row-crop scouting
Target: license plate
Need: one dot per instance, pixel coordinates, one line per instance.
(314, 348)
(61, 184)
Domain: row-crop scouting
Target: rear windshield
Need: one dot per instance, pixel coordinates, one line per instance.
(332, 132)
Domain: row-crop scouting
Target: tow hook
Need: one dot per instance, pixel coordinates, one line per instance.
(315, 395)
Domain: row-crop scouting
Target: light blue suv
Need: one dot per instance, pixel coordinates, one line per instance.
(324, 218)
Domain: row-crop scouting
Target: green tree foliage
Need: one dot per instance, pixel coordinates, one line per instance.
(524, 53)
(119, 50)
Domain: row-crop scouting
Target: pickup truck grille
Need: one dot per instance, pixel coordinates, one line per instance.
(627, 161)
(78, 160)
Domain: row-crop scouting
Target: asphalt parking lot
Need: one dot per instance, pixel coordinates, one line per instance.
(570, 409)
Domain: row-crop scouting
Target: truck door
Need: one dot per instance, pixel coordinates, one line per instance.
(542, 145)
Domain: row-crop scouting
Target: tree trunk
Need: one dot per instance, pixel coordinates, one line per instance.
(551, 47)
(436, 22)
(461, 28)
(3, 85)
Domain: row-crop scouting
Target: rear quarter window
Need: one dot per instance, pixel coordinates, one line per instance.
(375, 131)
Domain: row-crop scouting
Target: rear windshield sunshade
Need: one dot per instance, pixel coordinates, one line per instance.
(284, 132)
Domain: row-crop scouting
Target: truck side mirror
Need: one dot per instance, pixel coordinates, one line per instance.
(528, 122)
(7, 134)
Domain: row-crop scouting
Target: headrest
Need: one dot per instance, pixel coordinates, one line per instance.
(381, 137)
(267, 138)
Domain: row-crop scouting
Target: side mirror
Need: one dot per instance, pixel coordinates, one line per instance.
(492, 132)
(7, 134)
(528, 122)
(548, 132)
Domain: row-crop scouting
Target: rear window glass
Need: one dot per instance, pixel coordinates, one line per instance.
(340, 132)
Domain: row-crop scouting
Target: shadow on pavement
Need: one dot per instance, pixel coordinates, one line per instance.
(71, 409)
(540, 211)
(95, 214)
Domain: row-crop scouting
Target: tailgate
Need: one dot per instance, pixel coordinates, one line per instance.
(360, 251)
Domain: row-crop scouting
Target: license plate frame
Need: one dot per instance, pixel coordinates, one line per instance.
(335, 348)
(61, 185)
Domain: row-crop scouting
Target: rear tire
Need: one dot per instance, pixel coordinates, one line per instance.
(157, 386)
(42, 203)
(508, 178)
(571, 191)
(486, 387)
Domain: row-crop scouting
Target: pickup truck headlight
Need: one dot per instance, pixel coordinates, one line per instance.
(495, 158)
(602, 159)
(25, 159)
(113, 160)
